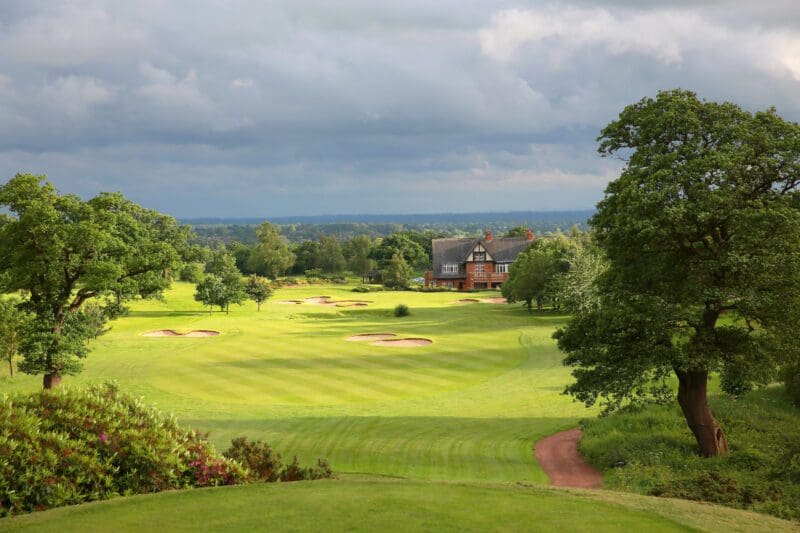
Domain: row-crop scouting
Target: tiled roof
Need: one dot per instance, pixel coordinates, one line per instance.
(502, 249)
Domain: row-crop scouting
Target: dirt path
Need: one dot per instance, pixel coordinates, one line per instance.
(559, 458)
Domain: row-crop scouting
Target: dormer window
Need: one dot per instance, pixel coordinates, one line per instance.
(450, 268)
(479, 257)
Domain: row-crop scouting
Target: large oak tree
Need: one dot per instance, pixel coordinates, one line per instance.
(701, 232)
(64, 252)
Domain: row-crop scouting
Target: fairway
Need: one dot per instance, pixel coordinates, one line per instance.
(469, 406)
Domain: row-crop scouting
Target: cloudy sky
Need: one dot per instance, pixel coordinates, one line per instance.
(239, 108)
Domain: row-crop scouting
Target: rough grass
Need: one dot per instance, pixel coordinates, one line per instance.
(392, 505)
(651, 451)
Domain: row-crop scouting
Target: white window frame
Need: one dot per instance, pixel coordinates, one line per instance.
(450, 268)
(501, 268)
(480, 268)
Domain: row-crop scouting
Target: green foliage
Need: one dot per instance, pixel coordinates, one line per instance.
(14, 322)
(306, 254)
(790, 375)
(226, 287)
(71, 446)
(397, 273)
(65, 251)
(191, 272)
(703, 221)
(211, 291)
(357, 252)
(576, 289)
(533, 273)
(401, 310)
(517, 231)
(258, 289)
(330, 259)
(294, 472)
(271, 256)
(647, 450)
(262, 463)
(403, 245)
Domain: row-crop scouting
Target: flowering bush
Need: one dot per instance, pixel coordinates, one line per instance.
(68, 446)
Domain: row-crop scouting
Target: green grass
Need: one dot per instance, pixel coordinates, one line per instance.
(650, 451)
(469, 406)
(386, 505)
(466, 409)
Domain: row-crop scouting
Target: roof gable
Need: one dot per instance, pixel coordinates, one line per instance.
(457, 251)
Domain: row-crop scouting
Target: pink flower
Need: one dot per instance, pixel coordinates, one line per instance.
(103, 437)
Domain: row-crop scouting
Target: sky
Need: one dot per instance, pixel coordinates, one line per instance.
(232, 108)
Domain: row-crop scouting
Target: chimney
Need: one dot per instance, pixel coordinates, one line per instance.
(530, 235)
(488, 235)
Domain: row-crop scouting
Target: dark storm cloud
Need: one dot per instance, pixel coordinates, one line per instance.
(255, 108)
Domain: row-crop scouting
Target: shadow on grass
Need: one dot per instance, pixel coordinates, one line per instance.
(165, 314)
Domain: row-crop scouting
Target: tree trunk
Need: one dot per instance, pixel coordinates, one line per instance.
(693, 400)
(11, 366)
(539, 303)
(51, 380)
(258, 306)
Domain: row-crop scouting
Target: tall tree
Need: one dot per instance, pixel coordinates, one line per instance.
(211, 291)
(532, 273)
(13, 323)
(400, 243)
(271, 257)
(703, 220)
(222, 265)
(397, 273)
(330, 257)
(65, 252)
(357, 252)
(257, 289)
(306, 254)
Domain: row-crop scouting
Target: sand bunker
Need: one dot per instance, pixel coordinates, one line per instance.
(326, 300)
(173, 333)
(493, 300)
(290, 302)
(371, 337)
(404, 343)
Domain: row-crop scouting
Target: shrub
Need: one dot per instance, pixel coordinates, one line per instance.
(791, 378)
(360, 289)
(67, 446)
(294, 472)
(258, 457)
(649, 450)
(401, 310)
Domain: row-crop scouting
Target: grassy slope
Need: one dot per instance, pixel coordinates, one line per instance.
(382, 505)
(650, 451)
(469, 406)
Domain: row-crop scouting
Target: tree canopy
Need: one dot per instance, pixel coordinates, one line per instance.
(64, 251)
(257, 289)
(397, 273)
(271, 257)
(533, 273)
(701, 233)
(400, 244)
(225, 286)
(13, 323)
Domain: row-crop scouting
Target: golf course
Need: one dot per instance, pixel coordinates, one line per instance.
(418, 434)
